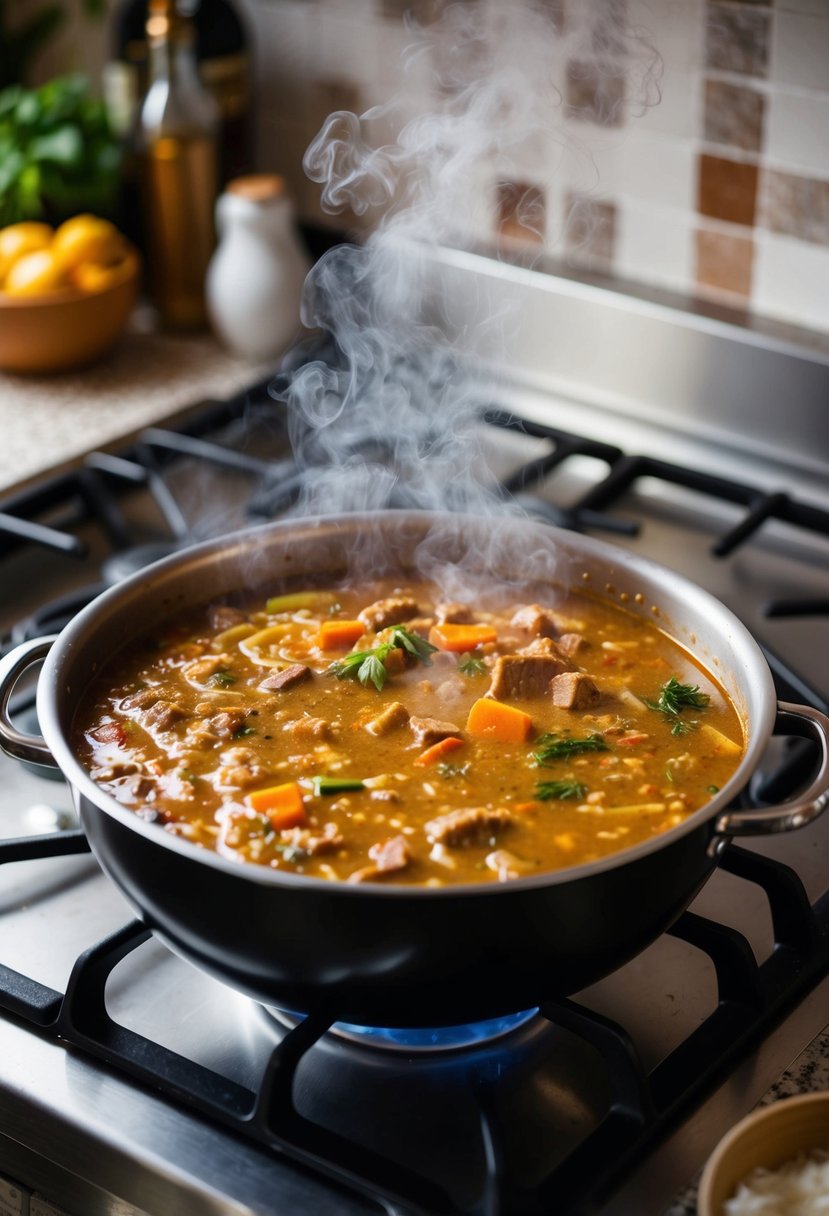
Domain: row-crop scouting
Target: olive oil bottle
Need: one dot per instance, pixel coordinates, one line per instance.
(178, 159)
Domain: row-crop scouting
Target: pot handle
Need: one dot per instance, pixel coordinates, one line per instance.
(13, 741)
(808, 723)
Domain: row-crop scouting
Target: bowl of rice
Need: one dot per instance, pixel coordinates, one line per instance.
(775, 1162)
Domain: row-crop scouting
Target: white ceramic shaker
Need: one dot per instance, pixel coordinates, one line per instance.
(255, 277)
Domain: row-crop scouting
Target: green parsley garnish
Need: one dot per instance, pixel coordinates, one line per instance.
(684, 728)
(368, 666)
(469, 665)
(221, 679)
(547, 791)
(560, 747)
(243, 732)
(712, 789)
(453, 770)
(674, 697)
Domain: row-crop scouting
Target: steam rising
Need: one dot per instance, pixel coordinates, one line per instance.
(390, 419)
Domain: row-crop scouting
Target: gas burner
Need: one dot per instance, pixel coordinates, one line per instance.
(417, 1040)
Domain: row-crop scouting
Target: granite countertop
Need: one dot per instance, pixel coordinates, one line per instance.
(808, 1074)
(49, 423)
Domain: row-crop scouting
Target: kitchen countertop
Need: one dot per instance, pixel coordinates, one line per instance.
(809, 1073)
(49, 423)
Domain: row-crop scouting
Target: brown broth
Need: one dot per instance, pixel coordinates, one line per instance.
(181, 730)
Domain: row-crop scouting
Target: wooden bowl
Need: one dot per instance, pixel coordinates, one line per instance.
(66, 329)
(768, 1137)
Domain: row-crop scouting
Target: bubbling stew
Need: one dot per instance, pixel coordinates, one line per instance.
(382, 734)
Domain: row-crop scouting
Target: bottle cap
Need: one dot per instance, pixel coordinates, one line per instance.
(258, 187)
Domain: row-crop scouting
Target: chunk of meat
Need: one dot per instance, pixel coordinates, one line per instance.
(240, 768)
(545, 646)
(391, 718)
(226, 723)
(421, 625)
(427, 731)
(310, 728)
(201, 669)
(163, 714)
(389, 857)
(222, 616)
(140, 700)
(574, 690)
(536, 620)
(289, 677)
(515, 676)
(469, 825)
(391, 611)
(312, 842)
(571, 644)
(453, 613)
(110, 732)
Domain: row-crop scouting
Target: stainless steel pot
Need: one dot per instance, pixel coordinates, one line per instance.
(395, 955)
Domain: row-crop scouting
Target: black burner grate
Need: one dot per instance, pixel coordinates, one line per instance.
(643, 1108)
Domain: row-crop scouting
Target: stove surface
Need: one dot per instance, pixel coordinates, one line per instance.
(158, 1106)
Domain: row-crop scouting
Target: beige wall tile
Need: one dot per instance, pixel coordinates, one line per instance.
(797, 131)
(800, 50)
(791, 280)
(724, 263)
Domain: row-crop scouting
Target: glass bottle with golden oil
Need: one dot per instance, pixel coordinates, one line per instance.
(178, 156)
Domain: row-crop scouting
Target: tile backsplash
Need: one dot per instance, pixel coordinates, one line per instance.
(714, 182)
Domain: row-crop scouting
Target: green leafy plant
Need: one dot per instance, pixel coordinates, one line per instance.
(58, 155)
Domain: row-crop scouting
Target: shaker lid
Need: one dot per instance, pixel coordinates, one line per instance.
(257, 187)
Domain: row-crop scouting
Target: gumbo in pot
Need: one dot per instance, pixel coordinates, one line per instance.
(380, 733)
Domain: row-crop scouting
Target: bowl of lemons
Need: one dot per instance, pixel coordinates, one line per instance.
(65, 293)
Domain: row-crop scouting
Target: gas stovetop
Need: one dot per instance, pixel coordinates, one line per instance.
(131, 1083)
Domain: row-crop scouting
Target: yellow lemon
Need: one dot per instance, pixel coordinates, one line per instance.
(33, 274)
(87, 238)
(92, 276)
(19, 239)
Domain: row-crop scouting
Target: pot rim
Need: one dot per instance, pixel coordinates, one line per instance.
(740, 639)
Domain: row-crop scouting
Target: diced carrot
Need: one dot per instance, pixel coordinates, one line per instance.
(438, 750)
(526, 808)
(282, 804)
(632, 740)
(459, 638)
(339, 635)
(494, 720)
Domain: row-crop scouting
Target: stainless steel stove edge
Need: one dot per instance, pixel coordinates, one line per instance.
(707, 375)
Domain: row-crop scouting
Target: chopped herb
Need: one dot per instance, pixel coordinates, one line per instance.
(337, 785)
(184, 774)
(243, 732)
(669, 775)
(548, 791)
(221, 679)
(413, 643)
(712, 789)
(292, 852)
(674, 697)
(684, 728)
(368, 666)
(559, 747)
(470, 665)
(453, 770)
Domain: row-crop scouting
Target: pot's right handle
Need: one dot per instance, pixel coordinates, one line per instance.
(791, 720)
(13, 741)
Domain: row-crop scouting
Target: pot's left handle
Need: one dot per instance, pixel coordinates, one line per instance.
(16, 742)
(808, 723)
